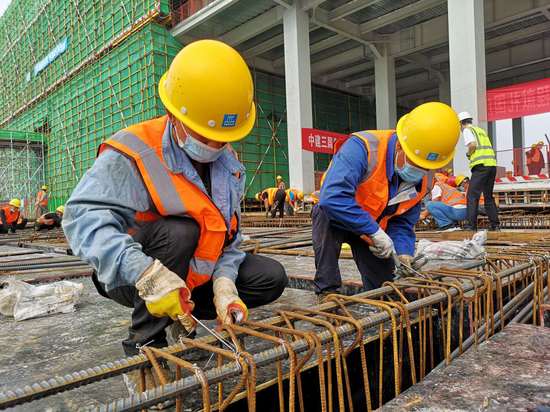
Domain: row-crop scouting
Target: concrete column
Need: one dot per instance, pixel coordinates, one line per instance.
(298, 95)
(384, 81)
(467, 66)
(518, 144)
(492, 132)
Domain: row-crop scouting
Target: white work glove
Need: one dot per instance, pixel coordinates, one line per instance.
(166, 294)
(382, 244)
(229, 307)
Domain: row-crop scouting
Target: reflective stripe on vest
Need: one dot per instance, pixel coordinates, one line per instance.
(451, 196)
(373, 193)
(173, 195)
(484, 153)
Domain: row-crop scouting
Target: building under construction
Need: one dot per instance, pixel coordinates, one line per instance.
(463, 333)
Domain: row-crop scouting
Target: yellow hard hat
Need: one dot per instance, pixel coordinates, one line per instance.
(209, 88)
(60, 209)
(459, 179)
(279, 177)
(44, 187)
(300, 196)
(258, 195)
(15, 202)
(428, 134)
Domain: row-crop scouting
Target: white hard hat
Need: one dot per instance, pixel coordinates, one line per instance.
(464, 115)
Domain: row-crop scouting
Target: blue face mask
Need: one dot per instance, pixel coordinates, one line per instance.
(410, 174)
(199, 151)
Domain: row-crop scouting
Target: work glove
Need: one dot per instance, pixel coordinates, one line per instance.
(382, 245)
(166, 294)
(405, 269)
(229, 307)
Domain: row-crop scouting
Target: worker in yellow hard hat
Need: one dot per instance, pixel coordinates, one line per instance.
(370, 197)
(9, 215)
(278, 180)
(158, 213)
(50, 220)
(267, 197)
(41, 203)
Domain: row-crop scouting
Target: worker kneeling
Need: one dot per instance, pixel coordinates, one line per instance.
(50, 220)
(448, 204)
(371, 194)
(10, 216)
(175, 185)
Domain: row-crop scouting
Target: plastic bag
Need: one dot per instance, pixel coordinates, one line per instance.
(450, 253)
(24, 301)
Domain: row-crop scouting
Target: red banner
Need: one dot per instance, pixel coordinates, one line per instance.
(518, 100)
(320, 141)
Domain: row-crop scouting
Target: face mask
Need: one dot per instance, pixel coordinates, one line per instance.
(197, 150)
(410, 173)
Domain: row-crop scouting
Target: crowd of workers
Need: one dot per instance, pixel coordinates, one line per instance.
(12, 219)
(158, 213)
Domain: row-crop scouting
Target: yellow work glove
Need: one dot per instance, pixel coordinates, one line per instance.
(229, 307)
(166, 294)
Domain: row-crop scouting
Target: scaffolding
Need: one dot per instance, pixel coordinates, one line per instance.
(22, 171)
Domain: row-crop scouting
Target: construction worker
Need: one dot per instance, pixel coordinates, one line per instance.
(483, 162)
(535, 159)
(9, 215)
(158, 213)
(267, 197)
(371, 194)
(293, 197)
(278, 180)
(448, 204)
(41, 204)
(50, 220)
(279, 201)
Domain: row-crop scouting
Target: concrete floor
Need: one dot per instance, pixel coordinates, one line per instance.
(36, 349)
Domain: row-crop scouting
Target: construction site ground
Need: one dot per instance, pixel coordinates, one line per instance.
(37, 349)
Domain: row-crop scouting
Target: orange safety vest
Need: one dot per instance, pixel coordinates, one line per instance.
(173, 195)
(295, 191)
(11, 217)
(42, 198)
(373, 193)
(449, 195)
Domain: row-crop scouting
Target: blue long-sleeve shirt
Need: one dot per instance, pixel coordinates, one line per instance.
(103, 204)
(347, 171)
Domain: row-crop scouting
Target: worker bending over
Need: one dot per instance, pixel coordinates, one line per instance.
(267, 197)
(483, 162)
(9, 216)
(371, 194)
(158, 213)
(50, 220)
(293, 199)
(448, 204)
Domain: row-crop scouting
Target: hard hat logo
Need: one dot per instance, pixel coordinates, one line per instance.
(229, 120)
(432, 156)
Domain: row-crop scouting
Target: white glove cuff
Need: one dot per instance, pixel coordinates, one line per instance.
(156, 281)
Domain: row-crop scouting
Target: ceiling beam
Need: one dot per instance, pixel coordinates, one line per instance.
(338, 60)
(311, 4)
(253, 27)
(399, 14)
(264, 46)
(424, 62)
(316, 47)
(343, 27)
(348, 8)
(201, 16)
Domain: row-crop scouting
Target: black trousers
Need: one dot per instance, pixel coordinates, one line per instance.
(279, 204)
(173, 241)
(327, 243)
(482, 181)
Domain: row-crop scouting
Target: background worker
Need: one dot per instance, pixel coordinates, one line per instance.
(9, 215)
(50, 220)
(267, 197)
(371, 194)
(448, 204)
(181, 203)
(41, 204)
(483, 162)
(279, 201)
(279, 180)
(535, 159)
(293, 199)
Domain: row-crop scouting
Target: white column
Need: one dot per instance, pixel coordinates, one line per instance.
(467, 67)
(384, 82)
(298, 96)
